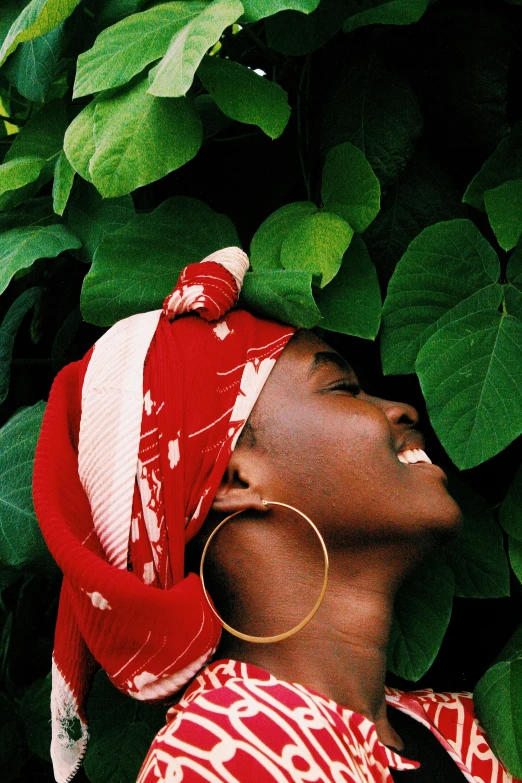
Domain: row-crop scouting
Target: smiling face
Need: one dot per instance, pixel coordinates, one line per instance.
(353, 462)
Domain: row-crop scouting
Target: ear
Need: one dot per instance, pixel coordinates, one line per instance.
(239, 489)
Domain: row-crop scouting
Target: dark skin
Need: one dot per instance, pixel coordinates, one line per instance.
(317, 442)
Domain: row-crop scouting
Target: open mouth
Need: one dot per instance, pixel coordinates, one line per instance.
(413, 456)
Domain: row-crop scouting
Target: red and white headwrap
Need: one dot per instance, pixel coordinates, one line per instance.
(134, 443)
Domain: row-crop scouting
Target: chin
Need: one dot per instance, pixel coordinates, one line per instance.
(448, 522)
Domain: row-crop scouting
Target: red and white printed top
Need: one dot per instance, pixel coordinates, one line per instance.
(237, 722)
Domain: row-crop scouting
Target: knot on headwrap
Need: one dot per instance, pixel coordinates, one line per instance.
(210, 287)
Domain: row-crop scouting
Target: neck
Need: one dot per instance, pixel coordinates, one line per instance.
(342, 652)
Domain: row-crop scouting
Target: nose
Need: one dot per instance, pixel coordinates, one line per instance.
(398, 413)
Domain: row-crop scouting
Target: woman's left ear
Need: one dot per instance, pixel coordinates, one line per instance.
(239, 489)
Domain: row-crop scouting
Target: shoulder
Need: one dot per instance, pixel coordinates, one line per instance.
(246, 729)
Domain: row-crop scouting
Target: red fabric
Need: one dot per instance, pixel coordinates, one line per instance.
(211, 289)
(238, 723)
(149, 627)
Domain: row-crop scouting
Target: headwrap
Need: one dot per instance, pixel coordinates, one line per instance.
(135, 440)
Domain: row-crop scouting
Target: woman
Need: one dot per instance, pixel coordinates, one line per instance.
(174, 418)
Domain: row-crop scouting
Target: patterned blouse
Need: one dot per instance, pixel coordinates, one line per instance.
(238, 723)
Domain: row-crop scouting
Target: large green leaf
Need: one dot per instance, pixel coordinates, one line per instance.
(498, 702)
(20, 247)
(422, 613)
(136, 266)
(124, 49)
(92, 217)
(470, 373)
(476, 556)
(351, 303)
(245, 96)
(18, 172)
(504, 209)
(8, 330)
(349, 186)
(317, 245)
(282, 294)
(510, 514)
(259, 9)
(448, 271)
(375, 109)
(78, 143)
(113, 10)
(173, 76)
(34, 65)
(385, 12)
(118, 755)
(21, 543)
(63, 182)
(422, 196)
(37, 18)
(265, 250)
(140, 138)
(504, 164)
(513, 289)
(296, 34)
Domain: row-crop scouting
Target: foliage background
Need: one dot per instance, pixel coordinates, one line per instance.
(357, 149)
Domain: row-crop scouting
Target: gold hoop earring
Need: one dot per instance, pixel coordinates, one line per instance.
(280, 636)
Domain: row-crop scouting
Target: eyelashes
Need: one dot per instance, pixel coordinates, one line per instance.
(348, 386)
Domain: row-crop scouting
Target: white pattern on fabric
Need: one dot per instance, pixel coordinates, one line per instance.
(98, 600)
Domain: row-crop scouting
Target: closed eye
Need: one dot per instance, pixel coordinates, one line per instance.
(352, 387)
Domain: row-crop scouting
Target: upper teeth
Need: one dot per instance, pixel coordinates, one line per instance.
(411, 456)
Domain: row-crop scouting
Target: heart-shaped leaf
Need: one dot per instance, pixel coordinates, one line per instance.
(265, 250)
(448, 271)
(504, 209)
(351, 303)
(282, 294)
(349, 186)
(384, 12)
(470, 373)
(504, 164)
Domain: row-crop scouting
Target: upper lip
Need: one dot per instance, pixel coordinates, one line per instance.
(414, 441)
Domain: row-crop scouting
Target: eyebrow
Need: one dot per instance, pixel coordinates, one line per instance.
(329, 357)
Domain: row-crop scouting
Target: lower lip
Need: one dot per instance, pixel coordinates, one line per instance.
(426, 466)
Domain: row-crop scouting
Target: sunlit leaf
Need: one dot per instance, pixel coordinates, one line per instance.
(37, 18)
(259, 9)
(349, 186)
(33, 67)
(265, 250)
(282, 294)
(63, 182)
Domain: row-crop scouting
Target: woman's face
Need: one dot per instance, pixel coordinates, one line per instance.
(342, 456)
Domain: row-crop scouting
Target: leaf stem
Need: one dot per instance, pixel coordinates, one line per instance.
(302, 125)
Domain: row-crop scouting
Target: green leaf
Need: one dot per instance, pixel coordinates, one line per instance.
(515, 558)
(35, 711)
(470, 373)
(78, 143)
(448, 271)
(117, 757)
(40, 137)
(37, 18)
(504, 209)
(63, 182)
(108, 707)
(123, 50)
(422, 613)
(259, 9)
(498, 703)
(173, 76)
(351, 303)
(513, 289)
(140, 138)
(265, 250)
(513, 648)
(212, 118)
(296, 34)
(8, 330)
(281, 294)
(113, 10)
(34, 65)
(92, 217)
(423, 195)
(375, 109)
(349, 186)
(317, 245)
(136, 266)
(504, 164)
(510, 514)
(245, 96)
(476, 556)
(18, 172)
(21, 543)
(385, 12)
(20, 247)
